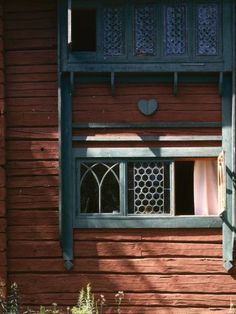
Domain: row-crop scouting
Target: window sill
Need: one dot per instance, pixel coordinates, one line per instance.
(149, 222)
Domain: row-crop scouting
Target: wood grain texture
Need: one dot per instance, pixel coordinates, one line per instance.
(3, 220)
(161, 271)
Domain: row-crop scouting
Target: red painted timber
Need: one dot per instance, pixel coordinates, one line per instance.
(118, 265)
(121, 249)
(224, 284)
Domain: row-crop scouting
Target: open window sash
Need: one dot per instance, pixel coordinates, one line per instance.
(69, 24)
(221, 182)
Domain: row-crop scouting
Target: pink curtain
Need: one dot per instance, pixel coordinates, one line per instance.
(205, 187)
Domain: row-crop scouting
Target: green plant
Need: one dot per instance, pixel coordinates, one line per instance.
(12, 304)
(86, 303)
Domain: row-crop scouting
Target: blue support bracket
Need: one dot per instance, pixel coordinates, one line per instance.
(72, 83)
(113, 84)
(220, 86)
(175, 86)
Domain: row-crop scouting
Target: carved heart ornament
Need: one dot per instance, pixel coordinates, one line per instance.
(147, 107)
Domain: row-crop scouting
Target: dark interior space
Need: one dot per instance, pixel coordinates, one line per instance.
(84, 30)
(184, 200)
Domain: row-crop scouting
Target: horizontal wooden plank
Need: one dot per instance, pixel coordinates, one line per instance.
(51, 202)
(28, 6)
(43, 23)
(36, 57)
(38, 217)
(139, 299)
(27, 87)
(32, 155)
(32, 145)
(210, 101)
(32, 119)
(155, 310)
(30, 33)
(31, 102)
(162, 116)
(31, 76)
(31, 93)
(33, 108)
(33, 232)
(167, 235)
(38, 249)
(34, 14)
(32, 181)
(42, 231)
(32, 168)
(128, 265)
(34, 43)
(25, 133)
(12, 70)
(149, 89)
(121, 249)
(208, 284)
(19, 194)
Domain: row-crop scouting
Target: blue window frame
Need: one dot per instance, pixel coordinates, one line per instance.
(196, 40)
(154, 36)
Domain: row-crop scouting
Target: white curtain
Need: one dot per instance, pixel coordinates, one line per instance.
(205, 187)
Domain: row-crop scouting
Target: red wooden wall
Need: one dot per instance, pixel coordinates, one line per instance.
(160, 271)
(3, 261)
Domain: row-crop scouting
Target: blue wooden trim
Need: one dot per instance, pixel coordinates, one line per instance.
(148, 77)
(142, 221)
(120, 138)
(113, 88)
(220, 87)
(228, 33)
(228, 223)
(175, 86)
(65, 166)
(146, 67)
(143, 152)
(159, 125)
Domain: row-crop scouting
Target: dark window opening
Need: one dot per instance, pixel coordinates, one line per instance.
(84, 30)
(184, 195)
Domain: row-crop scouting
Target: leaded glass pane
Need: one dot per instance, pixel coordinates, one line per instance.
(145, 30)
(149, 188)
(207, 33)
(99, 188)
(175, 30)
(113, 34)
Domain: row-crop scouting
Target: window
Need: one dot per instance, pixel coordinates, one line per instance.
(188, 32)
(148, 187)
(138, 181)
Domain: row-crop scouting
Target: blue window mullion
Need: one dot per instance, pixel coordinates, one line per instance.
(123, 189)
